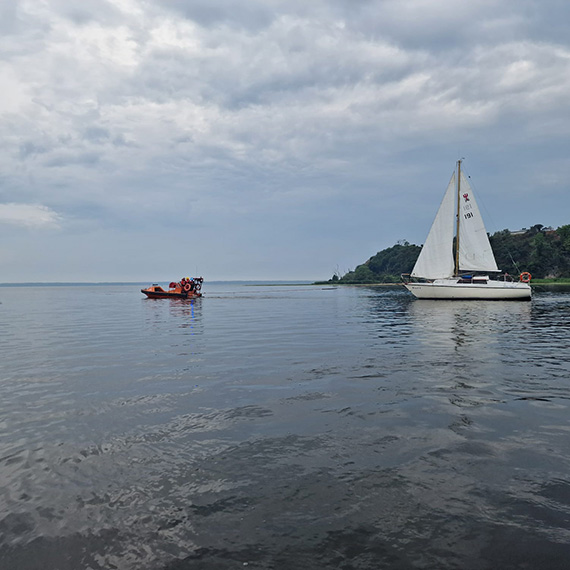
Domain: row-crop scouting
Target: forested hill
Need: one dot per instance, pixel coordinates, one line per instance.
(544, 252)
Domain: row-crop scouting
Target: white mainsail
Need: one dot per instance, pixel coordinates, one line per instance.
(475, 253)
(436, 257)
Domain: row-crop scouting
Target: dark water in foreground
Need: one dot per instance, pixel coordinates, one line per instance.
(295, 427)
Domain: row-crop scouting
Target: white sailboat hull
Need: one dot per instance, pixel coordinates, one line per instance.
(451, 289)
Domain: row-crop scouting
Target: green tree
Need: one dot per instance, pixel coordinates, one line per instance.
(563, 233)
(386, 266)
(543, 252)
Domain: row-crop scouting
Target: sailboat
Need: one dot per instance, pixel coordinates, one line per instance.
(442, 273)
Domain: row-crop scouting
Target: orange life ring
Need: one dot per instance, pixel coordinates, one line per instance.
(187, 287)
(525, 277)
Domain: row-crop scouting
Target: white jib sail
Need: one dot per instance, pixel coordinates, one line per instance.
(436, 257)
(475, 253)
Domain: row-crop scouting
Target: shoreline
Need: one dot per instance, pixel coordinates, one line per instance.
(534, 283)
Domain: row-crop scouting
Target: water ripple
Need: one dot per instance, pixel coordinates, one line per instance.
(282, 427)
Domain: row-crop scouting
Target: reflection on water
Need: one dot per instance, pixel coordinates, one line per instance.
(282, 427)
(182, 313)
(463, 317)
(464, 341)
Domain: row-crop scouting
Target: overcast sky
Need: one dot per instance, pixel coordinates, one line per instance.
(269, 139)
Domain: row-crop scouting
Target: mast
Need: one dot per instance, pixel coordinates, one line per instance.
(458, 212)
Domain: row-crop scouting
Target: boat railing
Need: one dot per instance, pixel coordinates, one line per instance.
(506, 277)
(408, 278)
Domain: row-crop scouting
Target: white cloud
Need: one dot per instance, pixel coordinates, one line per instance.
(33, 216)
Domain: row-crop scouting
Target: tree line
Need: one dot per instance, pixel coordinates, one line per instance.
(544, 252)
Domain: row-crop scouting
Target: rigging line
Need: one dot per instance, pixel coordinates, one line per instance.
(514, 262)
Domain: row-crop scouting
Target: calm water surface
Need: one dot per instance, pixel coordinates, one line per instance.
(282, 427)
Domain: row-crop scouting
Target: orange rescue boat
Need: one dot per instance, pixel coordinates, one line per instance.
(186, 288)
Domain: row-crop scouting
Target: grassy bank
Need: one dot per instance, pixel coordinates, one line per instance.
(559, 281)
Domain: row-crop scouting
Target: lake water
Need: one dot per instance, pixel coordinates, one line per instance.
(282, 427)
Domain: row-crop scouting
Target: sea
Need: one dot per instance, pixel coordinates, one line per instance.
(282, 426)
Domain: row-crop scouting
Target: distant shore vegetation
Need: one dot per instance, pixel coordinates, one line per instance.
(540, 250)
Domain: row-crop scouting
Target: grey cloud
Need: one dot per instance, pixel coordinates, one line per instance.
(9, 23)
(96, 134)
(30, 148)
(120, 140)
(249, 15)
(88, 159)
(87, 11)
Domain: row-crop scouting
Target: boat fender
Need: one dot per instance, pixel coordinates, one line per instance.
(525, 277)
